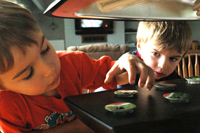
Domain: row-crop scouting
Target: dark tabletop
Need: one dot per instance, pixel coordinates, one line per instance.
(152, 114)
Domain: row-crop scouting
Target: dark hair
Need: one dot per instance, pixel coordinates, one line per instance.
(17, 28)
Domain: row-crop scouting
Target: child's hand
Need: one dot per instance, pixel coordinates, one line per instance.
(133, 65)
(196, 7)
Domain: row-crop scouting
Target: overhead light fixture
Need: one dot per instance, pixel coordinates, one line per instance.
(126, 9)
(111, 5)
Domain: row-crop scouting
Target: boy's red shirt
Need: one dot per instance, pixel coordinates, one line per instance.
(22, 113)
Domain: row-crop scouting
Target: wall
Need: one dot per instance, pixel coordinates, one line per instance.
(66, 34)
(52, 27)
(195, 26)
(63, 35)
(71, 39)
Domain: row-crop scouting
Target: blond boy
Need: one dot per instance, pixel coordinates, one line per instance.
(160, 46)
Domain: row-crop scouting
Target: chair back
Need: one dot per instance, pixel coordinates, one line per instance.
(189, 65)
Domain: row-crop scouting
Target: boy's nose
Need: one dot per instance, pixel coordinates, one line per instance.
(47, 68)
(162, 63)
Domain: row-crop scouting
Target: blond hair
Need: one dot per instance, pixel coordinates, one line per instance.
(17, 28)
(176, 35)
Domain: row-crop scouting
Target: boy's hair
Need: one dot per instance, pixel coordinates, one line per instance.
(169, 35)
(17, 28)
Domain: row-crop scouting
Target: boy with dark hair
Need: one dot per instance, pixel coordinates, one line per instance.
(34, 79)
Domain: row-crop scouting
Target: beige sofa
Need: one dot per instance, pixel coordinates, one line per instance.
(95, 51)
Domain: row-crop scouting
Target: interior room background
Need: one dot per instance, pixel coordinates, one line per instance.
(61, 31)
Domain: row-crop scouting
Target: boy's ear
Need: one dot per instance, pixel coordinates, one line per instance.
(138, 47)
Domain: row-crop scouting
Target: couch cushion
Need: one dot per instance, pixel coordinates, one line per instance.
(99, 48)
(95, 51)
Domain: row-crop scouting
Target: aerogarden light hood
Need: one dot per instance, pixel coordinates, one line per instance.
(125, 9)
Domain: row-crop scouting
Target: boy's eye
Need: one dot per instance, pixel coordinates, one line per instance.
(155, 53)
(30, 74)
(173, 59)
(45, 51)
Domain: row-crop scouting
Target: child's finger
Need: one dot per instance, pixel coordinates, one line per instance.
(132, 75)
(132, 71)
(150, 80)
(198, 13)
(122, 78)
(143, 70)
(146, 77)
(196, 5)
(112, 73)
